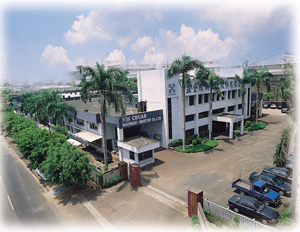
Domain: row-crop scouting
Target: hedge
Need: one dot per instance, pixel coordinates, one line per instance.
(113, 181)
(199, 147)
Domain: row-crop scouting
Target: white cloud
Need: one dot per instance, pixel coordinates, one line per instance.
(55, 55)
(116, 58)
(203, 45)
(85, 28)
(238, 18)
(142, 43)
(111, 23)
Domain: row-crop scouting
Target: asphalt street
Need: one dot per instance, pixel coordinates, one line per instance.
(24, 202)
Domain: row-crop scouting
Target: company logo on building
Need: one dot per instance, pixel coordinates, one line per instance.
(172, 89)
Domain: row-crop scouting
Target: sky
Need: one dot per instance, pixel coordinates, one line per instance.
(46, 41)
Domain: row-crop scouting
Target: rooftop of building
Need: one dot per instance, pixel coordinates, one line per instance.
(139, 141)
(94, 107)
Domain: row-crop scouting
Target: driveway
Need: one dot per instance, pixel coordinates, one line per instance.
(213, 171)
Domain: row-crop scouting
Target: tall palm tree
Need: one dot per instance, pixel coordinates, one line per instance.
(258, 78)
(110, 88)
(182, 67)
(243, 81)
(213, 83)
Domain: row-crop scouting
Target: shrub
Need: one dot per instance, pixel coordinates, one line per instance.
(237, 133)
(248, 124)
(175, 143)
(215, 219)
(199, 147)
(99, 179)
(285, 218)
(113, 181)
(256, 126)
(195, 220)
(204, 140)
(196, 141)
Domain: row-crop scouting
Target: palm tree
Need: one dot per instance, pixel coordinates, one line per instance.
(282, 148)
(258, 78)
(243, 81)
(110, 88)
(213, 82)
(182, 67)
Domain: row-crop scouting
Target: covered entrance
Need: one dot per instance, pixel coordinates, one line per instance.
(230, 119)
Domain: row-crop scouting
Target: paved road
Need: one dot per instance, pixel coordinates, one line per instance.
(24, 200)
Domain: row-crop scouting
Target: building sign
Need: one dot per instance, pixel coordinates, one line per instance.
(139, 119)
(231, 84)
(172, 89)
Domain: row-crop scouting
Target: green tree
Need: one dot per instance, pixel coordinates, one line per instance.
(258, 78)
(282, 148)
(268, 96)
(182, 67)
(109, 87)
(243, 81)
(214, 83)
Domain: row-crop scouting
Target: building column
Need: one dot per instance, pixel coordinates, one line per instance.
(120, 154)
(231, 130)
(260, 108)
(120, 133)
(242, 127)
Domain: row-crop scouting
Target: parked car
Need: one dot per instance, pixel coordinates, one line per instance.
(259, 190)
(284, 173)
(279, 106)
(289, 161)
(273, 182)
(284, 110)
(41, 174)
(273, 106)
(100, 156)
(253, 208)
(265, 106)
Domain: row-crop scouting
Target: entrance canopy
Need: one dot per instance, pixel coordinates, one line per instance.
(88, 136)
(74, 142)
(230, 118)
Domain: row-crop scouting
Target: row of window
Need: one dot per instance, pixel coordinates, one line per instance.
(93, 126)
(205, 98)
(141, 156)
(202, 131)
(204, 114)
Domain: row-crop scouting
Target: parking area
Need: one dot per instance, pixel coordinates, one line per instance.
(213, 171)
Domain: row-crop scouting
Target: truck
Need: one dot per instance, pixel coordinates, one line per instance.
(257, 189)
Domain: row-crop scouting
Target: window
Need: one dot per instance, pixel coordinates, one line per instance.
(94, 126)
(233, 94)
(206, 98)
(218, 97)
(189, 132)
(200, 99)
(223, 95)
(229, 94)
(145, 155)
(131, 155)
(189, 118)
(191, 101)
(239, 93)
(230, 108)
(80, 122)
(203, 115)
(217, 111)
(213, 97)
(240, 106)
(203, 131)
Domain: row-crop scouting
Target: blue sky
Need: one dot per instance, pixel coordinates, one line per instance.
(46, 42)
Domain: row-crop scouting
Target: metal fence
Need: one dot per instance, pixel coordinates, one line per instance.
(228, 215)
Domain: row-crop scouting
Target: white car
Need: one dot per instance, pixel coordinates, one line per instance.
(273, 106)
(41, 174)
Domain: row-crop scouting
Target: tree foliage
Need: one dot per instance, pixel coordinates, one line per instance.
(110, 86)
(60, 161)
(182, 67)
(282, 148)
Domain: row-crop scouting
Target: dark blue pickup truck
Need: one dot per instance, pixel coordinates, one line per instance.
(259, 190)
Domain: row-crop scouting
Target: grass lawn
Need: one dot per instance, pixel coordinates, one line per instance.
(199, 147)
